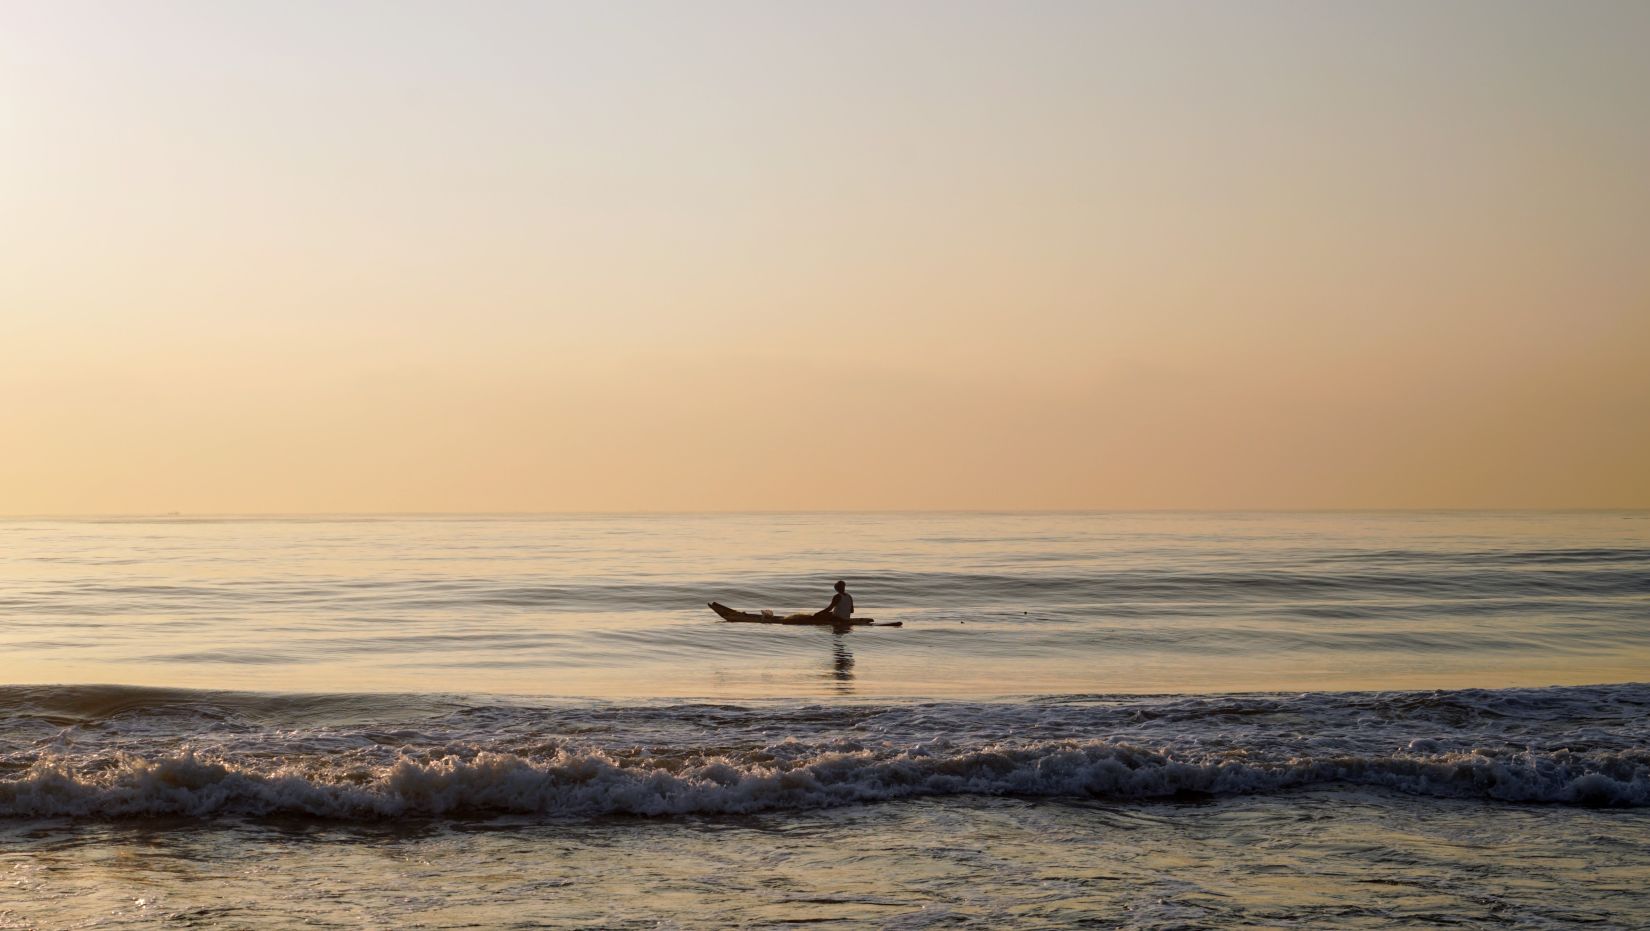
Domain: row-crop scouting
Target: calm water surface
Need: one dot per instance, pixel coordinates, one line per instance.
(993, 605)
(1161, 720)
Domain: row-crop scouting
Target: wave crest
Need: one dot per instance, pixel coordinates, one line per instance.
(587, 783)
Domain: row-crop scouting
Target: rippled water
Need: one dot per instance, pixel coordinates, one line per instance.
(1125, 720)
(992, 605)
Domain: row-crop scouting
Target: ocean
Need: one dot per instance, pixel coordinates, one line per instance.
(1148, 720)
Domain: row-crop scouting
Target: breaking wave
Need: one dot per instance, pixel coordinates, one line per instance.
(587, 783)
(114, 751)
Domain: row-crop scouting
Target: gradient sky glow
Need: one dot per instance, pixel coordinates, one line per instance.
(310, 257)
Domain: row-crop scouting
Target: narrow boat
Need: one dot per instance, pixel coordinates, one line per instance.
(768, 617)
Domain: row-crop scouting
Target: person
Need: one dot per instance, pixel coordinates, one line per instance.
(841, 607)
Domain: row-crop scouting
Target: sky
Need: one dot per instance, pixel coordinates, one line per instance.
(305, 257)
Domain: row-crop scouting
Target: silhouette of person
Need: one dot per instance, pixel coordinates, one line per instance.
(841, 608)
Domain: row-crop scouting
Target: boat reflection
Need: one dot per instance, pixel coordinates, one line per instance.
(842, 661)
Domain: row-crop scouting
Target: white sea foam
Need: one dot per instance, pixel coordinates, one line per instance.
(574, 783)
(115, 751)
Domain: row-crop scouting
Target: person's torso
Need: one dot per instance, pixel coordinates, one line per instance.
(845, 606)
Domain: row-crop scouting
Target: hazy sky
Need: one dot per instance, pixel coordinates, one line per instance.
(609, 256)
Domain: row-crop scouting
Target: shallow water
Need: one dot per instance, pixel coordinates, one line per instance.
(1319, 860)
(1156, 721)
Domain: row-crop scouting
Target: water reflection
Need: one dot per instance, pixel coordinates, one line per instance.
(842, 661)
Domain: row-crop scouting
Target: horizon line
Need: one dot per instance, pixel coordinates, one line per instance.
(686, 512)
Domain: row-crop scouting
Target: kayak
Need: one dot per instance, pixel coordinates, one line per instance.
(768, 617)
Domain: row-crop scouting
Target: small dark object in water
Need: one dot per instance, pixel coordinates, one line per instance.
(729, 614)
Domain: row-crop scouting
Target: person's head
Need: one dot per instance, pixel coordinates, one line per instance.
(841, 586)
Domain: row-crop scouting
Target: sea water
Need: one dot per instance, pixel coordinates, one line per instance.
(1141, 720)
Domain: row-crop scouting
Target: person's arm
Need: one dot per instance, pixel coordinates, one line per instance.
(831, 608)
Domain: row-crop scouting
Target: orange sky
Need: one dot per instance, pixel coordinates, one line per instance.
(410, 257)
